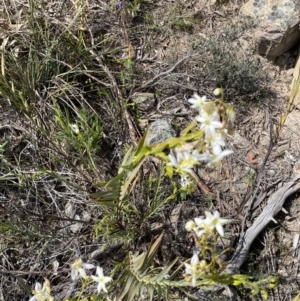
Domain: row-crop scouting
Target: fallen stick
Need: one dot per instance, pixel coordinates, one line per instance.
(274, 205)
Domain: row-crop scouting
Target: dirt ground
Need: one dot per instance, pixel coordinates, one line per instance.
(218, 47)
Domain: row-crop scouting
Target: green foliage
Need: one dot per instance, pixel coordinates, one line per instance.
(140, 274)
(83, 134)
(123, 218)
(183, 24)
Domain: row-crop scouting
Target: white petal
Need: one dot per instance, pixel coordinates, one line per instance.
(190, 225)
(197, 101)
(82, 273)
(38, 287)
(100, 272)
(173, 161)
(225, 153)
(194, 260)
(33, 298)
(74, 274)
(216, 124)
(205, 157)
(199, 221)
(216, 149)
(217, 140)
(209, 131)
(107, 279)
(104, 287)
(88, 266)
(216, 214)
(95, 278)
(100, 287)
(180, 155)
(220, 229)
(188, 268)
(208, 214)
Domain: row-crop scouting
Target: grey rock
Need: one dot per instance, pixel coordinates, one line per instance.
(278, 25)
(159, 131)
(144, 101)
(271, 173)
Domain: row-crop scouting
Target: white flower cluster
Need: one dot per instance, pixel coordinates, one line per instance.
(78, 268)
(200, 226)
(195, 268)
(186, 157)
(42, 293)
(207, 225)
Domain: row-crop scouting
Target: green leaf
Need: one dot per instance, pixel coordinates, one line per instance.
(169, 171)
(164, 272)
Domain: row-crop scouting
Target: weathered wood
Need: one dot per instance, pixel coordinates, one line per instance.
(274, 205)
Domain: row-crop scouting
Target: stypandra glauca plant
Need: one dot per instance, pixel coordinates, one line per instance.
(123, 221)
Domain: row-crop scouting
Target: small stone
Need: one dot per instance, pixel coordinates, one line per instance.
(159, 131)
(144, 101)
(271, 173)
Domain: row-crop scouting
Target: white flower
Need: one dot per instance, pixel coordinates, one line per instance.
(78, 268)
(101, 279)
(183, 161)
(190, 225)
(74, 127)
(199, 229)
(209, 123)
(217, 139)
(217, 155)
(207, 225)
(42, 293)
(197, 226)
(197, 101)
(191, 269)
(215, 222)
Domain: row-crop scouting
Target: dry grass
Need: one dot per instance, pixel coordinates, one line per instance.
(72, 65)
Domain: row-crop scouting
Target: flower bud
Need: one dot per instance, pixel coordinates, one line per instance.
(218, 92)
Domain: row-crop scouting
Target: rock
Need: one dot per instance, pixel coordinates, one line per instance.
(144, 101)
(159, 131)
(278, 25)
(271, 172)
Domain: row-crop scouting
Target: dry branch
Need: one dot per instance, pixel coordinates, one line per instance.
(274, 205)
